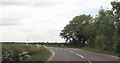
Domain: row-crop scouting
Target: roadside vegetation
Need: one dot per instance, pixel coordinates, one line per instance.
(101, 32)
(21, 52)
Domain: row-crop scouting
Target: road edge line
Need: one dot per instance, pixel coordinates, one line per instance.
(96, 53)
(50, 57)
(101, 54)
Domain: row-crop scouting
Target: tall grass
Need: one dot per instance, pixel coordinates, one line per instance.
(15, 51)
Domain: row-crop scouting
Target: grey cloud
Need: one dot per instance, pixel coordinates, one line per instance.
(53, 32)
(9, 22)
(42, 4)
(92, 11)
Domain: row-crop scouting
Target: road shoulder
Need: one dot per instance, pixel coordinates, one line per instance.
(51, 56)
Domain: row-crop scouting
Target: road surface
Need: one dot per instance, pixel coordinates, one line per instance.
(67, 55)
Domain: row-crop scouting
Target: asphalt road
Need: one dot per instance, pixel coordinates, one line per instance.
(72, 55)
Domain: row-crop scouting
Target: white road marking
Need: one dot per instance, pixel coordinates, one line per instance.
(75, 49)
(80, 55)
(89, 61)
(71, 51)
(52, 55)
(75, 53)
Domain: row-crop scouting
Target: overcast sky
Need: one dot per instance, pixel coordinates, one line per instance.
(42, 20)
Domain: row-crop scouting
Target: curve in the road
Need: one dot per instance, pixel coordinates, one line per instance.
(68, 54)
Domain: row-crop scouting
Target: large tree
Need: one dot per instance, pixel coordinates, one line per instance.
(73, 32)
(102, 32)
(116, 14)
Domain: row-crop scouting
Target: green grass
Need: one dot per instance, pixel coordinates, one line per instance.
(19, 48)
(14, 49)
(44, 55)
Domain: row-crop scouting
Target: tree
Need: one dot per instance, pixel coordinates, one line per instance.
(102, 32)
(90, 33)
(105, 28)
(116, 14)
(73, 32)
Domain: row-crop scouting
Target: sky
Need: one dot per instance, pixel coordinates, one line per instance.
(42, 20)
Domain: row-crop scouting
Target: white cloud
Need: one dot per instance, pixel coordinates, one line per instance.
(41, 20)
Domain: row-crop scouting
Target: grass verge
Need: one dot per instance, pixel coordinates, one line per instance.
(21, 52)
(43, 56)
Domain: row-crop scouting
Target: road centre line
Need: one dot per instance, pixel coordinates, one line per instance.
(71, 51)
(76, 54)
(89, 61)
(80, 55)
(65, 49)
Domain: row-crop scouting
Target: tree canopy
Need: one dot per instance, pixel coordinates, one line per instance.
(101, 31)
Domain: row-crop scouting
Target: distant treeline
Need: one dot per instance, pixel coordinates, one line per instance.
(41, 43)
(101, 31)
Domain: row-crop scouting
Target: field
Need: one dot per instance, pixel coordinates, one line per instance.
(22, 52)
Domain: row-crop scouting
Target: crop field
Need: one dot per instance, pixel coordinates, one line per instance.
(23, 52)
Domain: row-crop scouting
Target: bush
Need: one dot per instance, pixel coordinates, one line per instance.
(14, 51)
